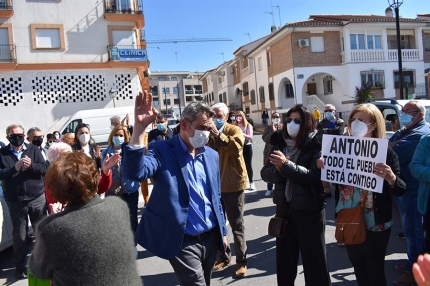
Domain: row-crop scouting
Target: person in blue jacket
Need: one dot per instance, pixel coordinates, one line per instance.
(183, 221)
(404, 143)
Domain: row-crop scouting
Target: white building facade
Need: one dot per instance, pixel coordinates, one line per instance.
(59, 57)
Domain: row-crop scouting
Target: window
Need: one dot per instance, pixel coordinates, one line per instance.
(328, 85)
(374, 79)
(253, 97)
(224, 97)
(374, 42)
(168, 102)
(269, 58)
(245, 88)
(235, 71)
(261, 91)
(197, 89)
(220, 97)
(47, 37)
(153, 89)
(176, 101)
(175, 90)
(317, 44)
(166, 90)
(408, 79)
(357, 42)
(427, 42)
(289, 91)
(259, 64)
(161, 78)
(247, 111)
(271, 92)
(173, 78)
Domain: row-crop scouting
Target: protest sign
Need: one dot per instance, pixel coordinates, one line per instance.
(350, 160)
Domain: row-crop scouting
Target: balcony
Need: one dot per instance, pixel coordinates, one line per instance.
(7, 54)
(127, 54)
(362, 56)
(6, 9)
(125, 10)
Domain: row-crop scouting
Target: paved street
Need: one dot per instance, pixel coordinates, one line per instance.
(261, 248)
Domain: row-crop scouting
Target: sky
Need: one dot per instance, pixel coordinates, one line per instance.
(234, 19)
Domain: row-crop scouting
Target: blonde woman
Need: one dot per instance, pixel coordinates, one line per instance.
(248, 132)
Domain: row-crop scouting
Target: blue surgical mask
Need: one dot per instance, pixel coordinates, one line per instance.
(161, 127)
(117, 141)
(232, 118)
(219, 122)
(329, 114)
(405, 119)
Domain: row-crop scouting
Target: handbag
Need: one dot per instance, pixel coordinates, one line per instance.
(278, 227)
(350, 224)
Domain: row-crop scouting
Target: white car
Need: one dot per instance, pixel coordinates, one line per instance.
(6, 226)
(6, 223)
(172, 123)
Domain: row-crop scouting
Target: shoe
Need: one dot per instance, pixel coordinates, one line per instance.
(401, 267)
(405, 279)
(268, 193)
(221, 264)
(401, 235)
(20, 274)
(341, 244)
(251, 186)
(240, 270)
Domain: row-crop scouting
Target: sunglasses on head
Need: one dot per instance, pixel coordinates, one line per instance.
(296, 120)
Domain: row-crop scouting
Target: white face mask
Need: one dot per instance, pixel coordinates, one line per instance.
(276, 121)
(199, 139)
(57, 136)
(293, 128)
(84, 138)
(359, 128)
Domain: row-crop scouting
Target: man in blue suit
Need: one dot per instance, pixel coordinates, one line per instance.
(183, 221)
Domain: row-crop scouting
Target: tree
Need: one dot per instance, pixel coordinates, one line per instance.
(362, 94)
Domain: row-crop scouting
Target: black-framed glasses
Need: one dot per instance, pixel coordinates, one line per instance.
(38, 137)
(275, 117)
(329, 110)
(296, 120)
(17, 136)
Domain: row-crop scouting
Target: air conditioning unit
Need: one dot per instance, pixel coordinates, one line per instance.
(303, 43)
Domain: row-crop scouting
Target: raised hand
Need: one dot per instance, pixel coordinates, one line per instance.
(97, 152)
(110, 162)
(144, 114)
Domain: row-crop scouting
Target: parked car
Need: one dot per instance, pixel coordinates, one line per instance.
(393, 107)
(172, 123)
(6, 226)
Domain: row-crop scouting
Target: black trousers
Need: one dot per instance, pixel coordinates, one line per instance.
(368, 258)
(426, 226)
(305, 236)
(247, 156)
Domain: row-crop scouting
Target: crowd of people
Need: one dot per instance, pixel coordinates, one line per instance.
(81, 199)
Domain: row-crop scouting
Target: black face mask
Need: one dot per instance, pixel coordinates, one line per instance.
(16, 140)
(37, 141)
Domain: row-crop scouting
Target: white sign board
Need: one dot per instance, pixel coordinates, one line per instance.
(350, 160)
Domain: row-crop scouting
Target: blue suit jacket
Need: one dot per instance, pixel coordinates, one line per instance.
(162, 226)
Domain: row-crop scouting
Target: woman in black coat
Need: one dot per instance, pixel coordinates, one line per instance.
(84, 143)
(298, 196)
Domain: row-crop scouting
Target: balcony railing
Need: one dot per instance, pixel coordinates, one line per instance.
(407, 55)
(127, 53)
(6, 5)
(380, 55)
(124, 6)
(7, 53)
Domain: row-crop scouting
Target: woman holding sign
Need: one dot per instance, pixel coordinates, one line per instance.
(298, 195)
(368, 257)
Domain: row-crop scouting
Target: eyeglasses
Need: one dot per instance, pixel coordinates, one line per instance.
(275, 117)
(407, 111)
(329, 110)
(38, 137)
(296, 120)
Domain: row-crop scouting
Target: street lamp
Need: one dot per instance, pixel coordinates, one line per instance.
(396, 4)
(165, 97)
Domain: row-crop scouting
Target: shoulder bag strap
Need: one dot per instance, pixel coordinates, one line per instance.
(364, 198)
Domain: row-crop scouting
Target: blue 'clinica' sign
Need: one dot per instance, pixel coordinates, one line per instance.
(132, 55)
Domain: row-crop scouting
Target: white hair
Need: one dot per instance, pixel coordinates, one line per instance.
(331, 106)
(116, 119)
(420, 106)
(56, 149)
(222, 106)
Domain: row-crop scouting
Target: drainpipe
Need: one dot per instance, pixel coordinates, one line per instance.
(256, 89)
